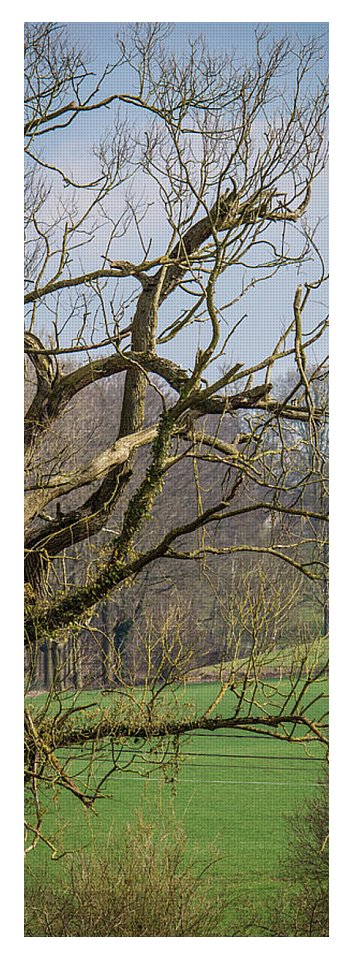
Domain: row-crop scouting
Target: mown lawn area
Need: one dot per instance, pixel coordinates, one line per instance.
(232, 789)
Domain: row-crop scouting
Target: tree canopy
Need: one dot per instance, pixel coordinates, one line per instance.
(155, 266)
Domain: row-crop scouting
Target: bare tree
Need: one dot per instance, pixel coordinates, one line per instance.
(204, 179)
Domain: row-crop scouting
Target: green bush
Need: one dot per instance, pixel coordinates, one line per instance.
(304, 908)
(148, 887)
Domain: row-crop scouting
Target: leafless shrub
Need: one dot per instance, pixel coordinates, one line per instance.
(148, 886)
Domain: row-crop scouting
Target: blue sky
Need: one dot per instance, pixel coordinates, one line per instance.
(225, 36)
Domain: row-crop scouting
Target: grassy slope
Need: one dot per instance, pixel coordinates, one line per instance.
(279, 660)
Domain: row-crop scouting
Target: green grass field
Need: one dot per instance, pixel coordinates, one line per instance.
(233, 790)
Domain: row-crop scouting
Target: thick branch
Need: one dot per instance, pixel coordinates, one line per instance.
(45, 374)
(108, 728)
(61, 484)
(225, 215)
